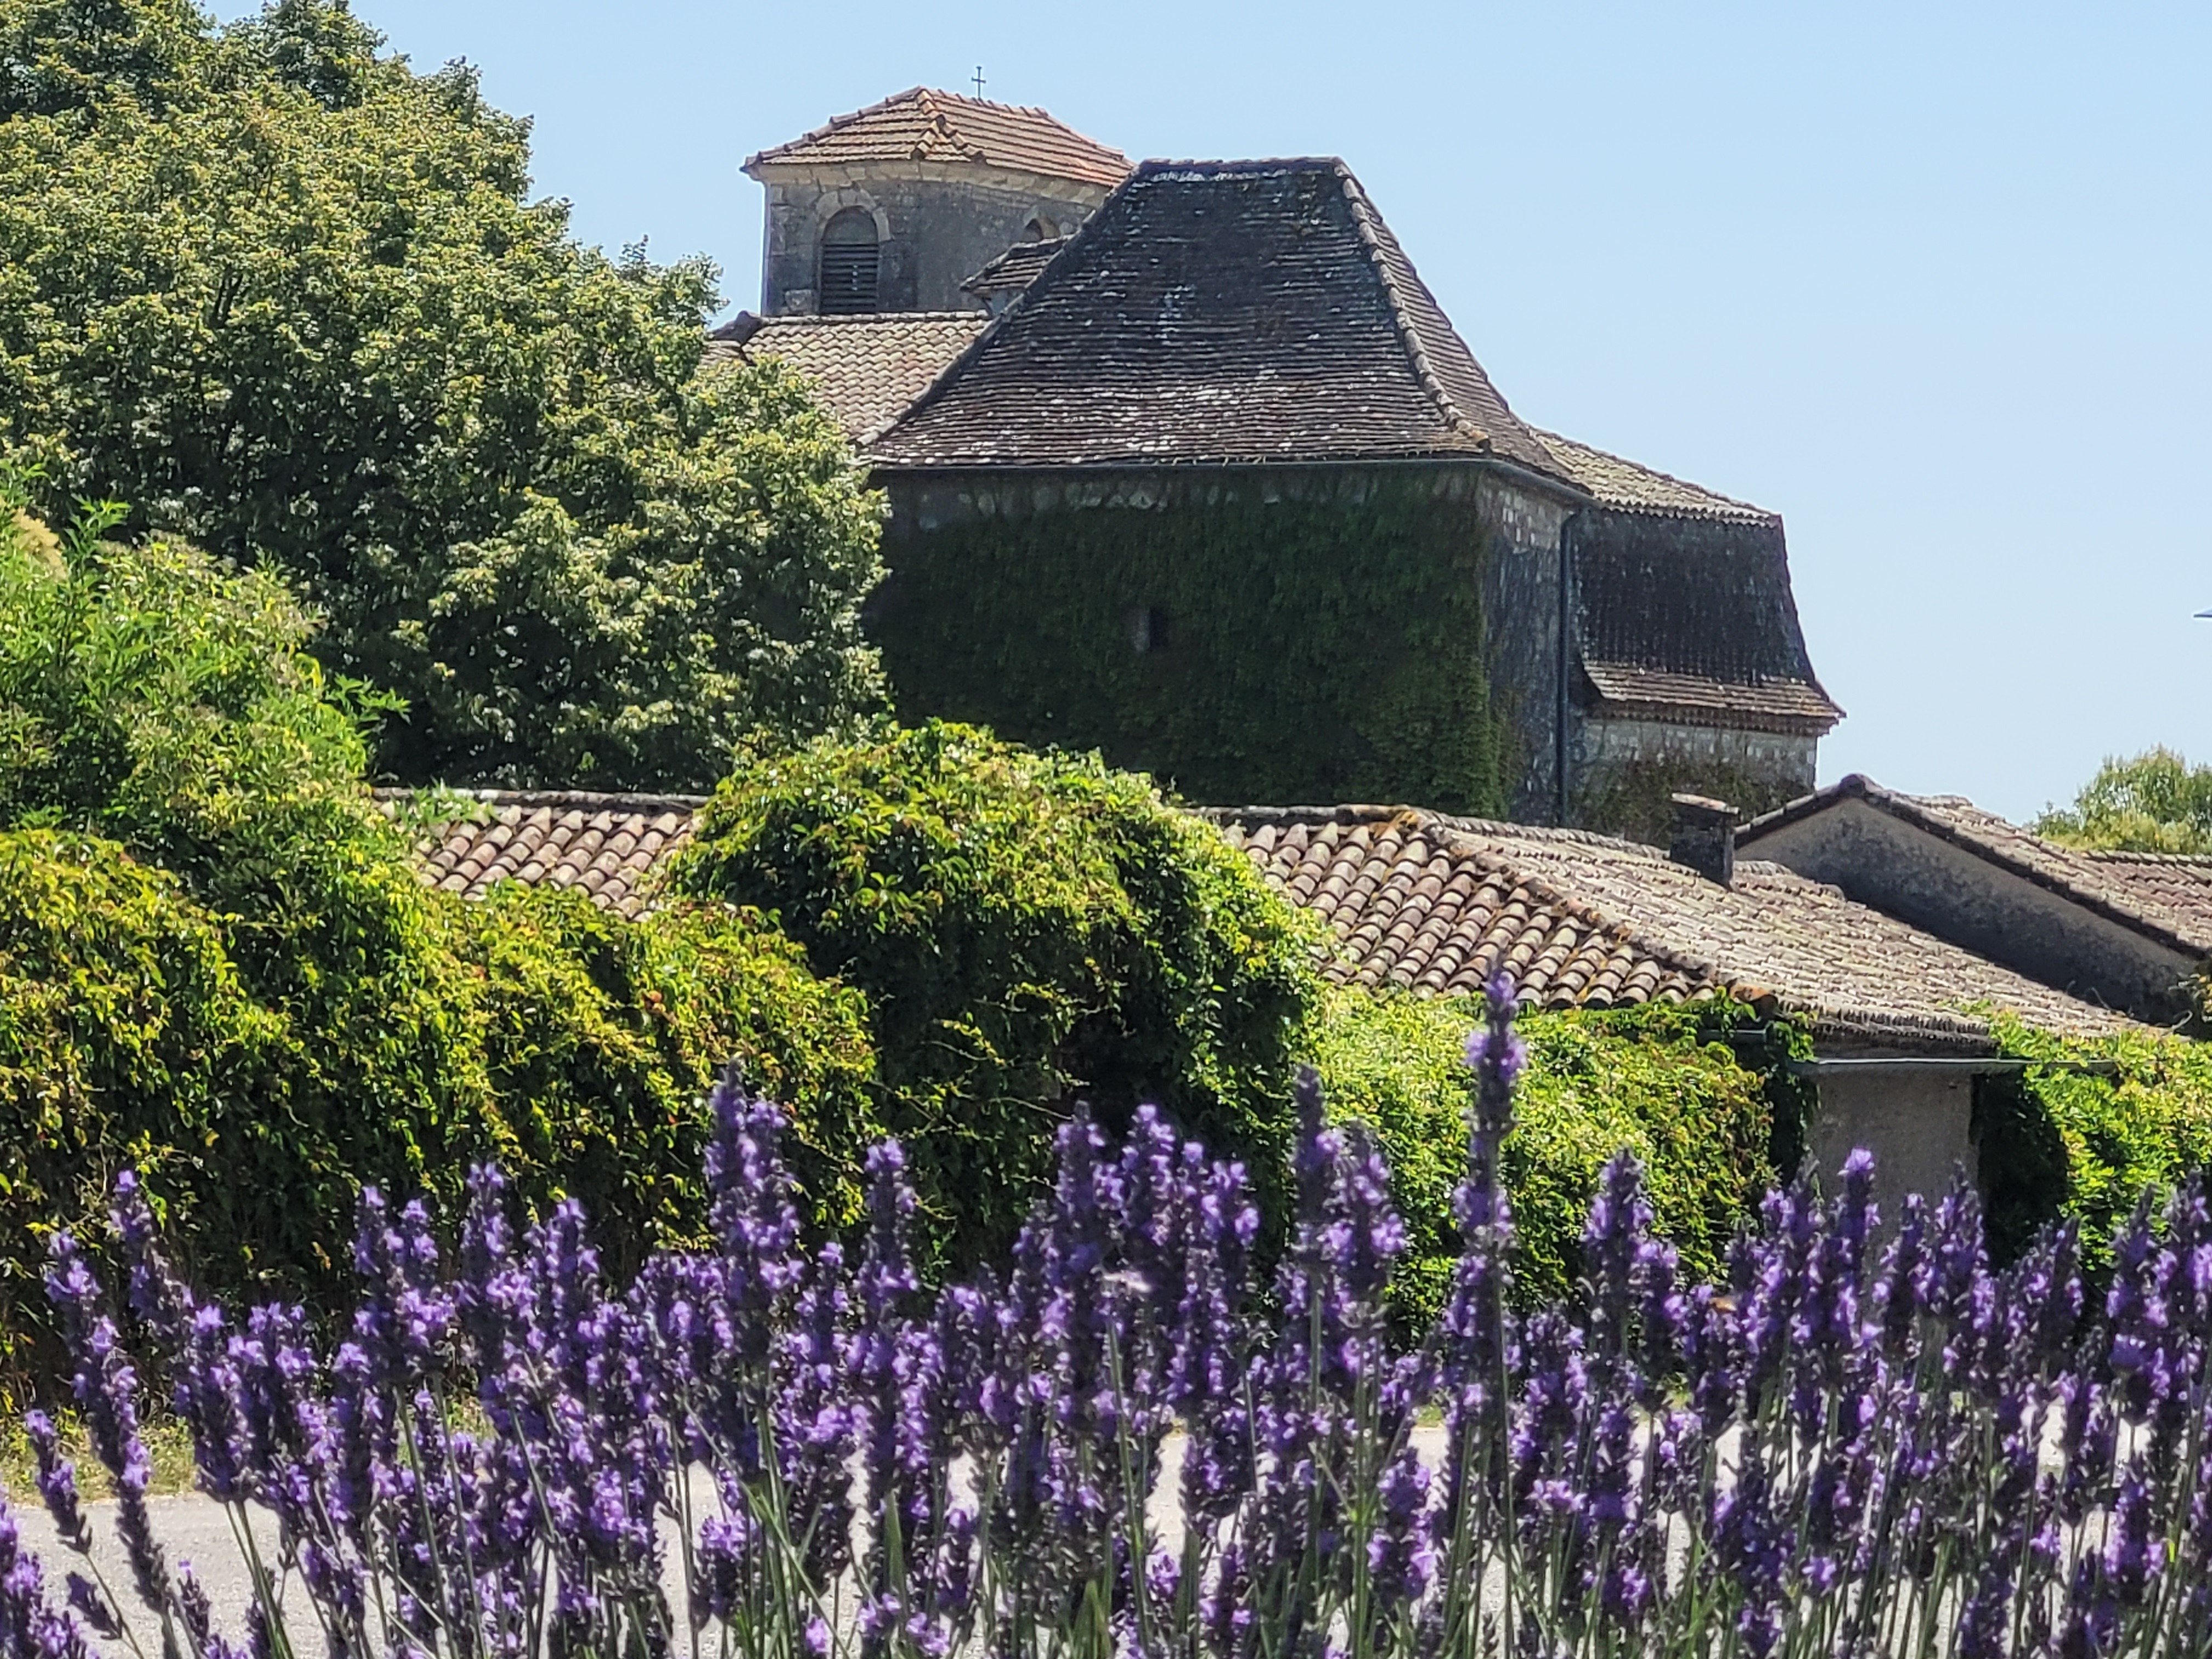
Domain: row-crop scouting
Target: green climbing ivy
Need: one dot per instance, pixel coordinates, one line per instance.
(1253, 644)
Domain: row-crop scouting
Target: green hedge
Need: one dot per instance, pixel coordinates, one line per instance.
(1028, 928)
(1648, 1079)
(2076, 1145)
(573, 1047)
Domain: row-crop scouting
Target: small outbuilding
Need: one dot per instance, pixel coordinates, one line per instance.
(2132, 931)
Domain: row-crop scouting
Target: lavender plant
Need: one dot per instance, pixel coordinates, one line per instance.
(1867, 1441)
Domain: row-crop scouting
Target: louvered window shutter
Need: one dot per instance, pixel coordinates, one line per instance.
(851, 260)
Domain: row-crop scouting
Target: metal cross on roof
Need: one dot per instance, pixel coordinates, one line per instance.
(979, 80)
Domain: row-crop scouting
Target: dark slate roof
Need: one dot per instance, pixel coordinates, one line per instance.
(608, 845)
(920, 124)
(865, 369)
(1015, 269)
(2169, 901)
(1435, 903)
(1692, 618)
(1221, 311)
(1626, 486)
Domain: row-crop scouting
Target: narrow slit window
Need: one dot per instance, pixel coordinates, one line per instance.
(852, 261)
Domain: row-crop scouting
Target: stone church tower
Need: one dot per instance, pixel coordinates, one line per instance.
(892, 208)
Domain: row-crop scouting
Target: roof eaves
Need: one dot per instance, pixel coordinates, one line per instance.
(1709, 504)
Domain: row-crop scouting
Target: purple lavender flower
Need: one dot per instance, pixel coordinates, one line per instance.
(1400, 1560)
(57, 1482)
(158, 1295)
(107, 1388)
(405, 1318)
(28, 1625)
(753, 1217)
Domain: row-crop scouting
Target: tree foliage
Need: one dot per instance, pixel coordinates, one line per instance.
(217, 961)
(2153, 802)
(290, 298)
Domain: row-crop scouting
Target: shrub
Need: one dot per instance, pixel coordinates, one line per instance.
(2071, 1143)
(572, 1047)
(150, 696)
(1646, 1080)
(1027, 928)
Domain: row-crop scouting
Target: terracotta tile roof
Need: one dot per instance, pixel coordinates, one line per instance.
(1413, 905)
(1436, 905)
(2177, 883)
(1015, 269)
(1627, 487)
(920, 125)
(866, 369)
(2169, 901)
(1218, 312)
(1433, 904)
(608, 845)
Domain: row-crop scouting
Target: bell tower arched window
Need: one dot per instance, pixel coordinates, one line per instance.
(852, 260)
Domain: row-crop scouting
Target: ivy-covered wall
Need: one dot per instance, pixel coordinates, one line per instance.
(1256, 634)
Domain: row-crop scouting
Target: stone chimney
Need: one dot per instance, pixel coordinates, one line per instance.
(1705, 837)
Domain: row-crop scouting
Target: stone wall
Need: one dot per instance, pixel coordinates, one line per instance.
(1918, 1122)
(935, 228)
(1603, 744)
(1622, 771)
(1521, 600)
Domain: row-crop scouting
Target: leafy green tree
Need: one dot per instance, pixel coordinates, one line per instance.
(2156, 802)
(150, 696)
(290, 298)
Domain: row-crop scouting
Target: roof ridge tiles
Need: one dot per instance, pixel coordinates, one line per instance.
(1363, 221)
(561, 799)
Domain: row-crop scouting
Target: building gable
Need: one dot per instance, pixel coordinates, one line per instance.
(2130, 933)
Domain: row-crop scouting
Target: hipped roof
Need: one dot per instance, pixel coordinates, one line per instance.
(923, 124)
(1218, 312)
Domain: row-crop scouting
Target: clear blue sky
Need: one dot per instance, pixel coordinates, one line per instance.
(1933, 281)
